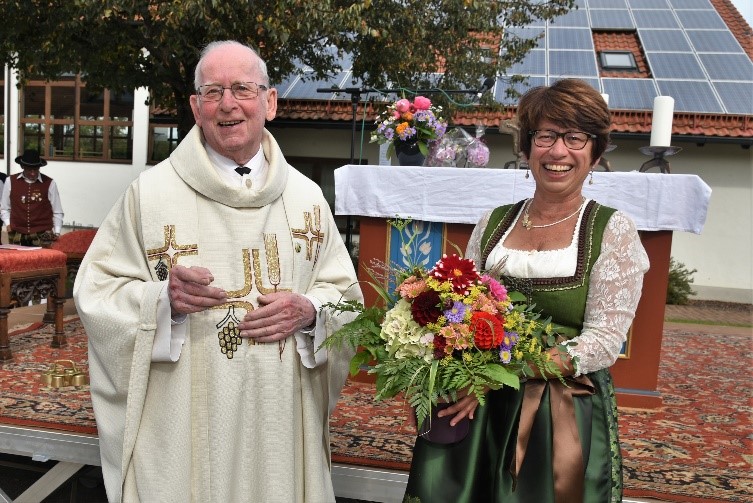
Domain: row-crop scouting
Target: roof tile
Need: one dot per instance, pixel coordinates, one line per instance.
(736, 23)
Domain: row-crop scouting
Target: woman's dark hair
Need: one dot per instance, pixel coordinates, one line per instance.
(570, 104)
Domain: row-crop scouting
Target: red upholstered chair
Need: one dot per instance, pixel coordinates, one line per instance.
(24, 275)
(74, 244)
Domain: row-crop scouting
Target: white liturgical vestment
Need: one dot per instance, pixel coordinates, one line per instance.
(228, 421)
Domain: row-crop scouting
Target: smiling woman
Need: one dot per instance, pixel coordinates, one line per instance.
(580, 263)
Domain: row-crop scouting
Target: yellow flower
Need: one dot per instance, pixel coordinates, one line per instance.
(530, 327)
(401, 127)
(513, 320)
(533, 346)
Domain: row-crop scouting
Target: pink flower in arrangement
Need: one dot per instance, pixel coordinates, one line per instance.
(411, 287)
(402, 105)
(421, 103)
(498, 291)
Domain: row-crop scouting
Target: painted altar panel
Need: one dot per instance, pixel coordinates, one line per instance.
(636, 371)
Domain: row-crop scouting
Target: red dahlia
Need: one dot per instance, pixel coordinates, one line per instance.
(460, 272)
(487, 330)
(439, 344)
(426, 308)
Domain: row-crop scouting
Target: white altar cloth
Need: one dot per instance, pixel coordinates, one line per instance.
(655, 201)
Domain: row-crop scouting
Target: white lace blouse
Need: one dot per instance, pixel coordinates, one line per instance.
(613, 291)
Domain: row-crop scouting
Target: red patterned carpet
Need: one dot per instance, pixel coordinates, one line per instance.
(25, 401)
(697, 448)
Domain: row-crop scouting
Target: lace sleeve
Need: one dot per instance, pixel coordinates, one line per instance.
(613, 294)
(473, 249)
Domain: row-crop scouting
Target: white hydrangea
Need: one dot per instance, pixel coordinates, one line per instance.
(405, 338)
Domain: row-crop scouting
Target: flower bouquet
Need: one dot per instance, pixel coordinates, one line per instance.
(477, 154)
(445, 330)
(410, 122)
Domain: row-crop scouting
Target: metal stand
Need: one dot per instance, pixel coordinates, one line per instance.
(659, 157)
(355, 97)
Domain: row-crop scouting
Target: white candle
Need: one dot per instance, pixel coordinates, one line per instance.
(606, 98)
(661, 125)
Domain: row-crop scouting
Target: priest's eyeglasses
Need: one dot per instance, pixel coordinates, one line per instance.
(240, 90)
(574, 140)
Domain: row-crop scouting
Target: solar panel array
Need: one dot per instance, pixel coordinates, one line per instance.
(690, 52)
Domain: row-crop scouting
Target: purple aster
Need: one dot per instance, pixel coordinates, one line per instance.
(456, 313)
(505, 356)
(408, 132)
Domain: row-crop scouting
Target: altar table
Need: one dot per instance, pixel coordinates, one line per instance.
(445, 203)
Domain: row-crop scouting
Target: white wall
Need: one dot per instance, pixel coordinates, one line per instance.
(722, 253)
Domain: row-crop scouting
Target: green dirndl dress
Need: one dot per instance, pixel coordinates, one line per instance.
(478, 468)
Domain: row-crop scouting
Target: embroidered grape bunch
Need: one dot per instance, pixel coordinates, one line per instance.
(230, 339)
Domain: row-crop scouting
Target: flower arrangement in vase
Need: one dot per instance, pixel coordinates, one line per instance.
(409, 124)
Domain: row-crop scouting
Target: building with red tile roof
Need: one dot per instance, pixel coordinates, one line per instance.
(700, 52)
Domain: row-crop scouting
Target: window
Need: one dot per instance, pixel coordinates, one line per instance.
(163, 138)
(617, 60)
(65, 120)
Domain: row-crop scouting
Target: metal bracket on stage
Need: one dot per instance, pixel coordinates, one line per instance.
(71, 450)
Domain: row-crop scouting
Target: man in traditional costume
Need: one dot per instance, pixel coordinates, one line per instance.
(201, 297)
(30, 204)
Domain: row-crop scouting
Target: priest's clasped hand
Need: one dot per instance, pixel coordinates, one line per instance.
(190, 290)
(278, 316)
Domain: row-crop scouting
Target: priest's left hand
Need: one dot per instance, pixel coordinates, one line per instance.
(278, 316)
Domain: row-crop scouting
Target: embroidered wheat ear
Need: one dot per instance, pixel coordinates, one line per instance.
(496, 270)
(273, 259)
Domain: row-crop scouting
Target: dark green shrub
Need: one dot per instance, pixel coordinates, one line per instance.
(678, 287)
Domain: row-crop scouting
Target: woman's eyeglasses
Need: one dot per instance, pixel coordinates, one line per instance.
(574, 140)
(240, 90)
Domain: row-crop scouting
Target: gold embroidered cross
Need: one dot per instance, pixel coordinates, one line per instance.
(171, 251)
(312, 233)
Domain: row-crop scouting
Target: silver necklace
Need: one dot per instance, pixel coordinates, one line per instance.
(528, 225)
